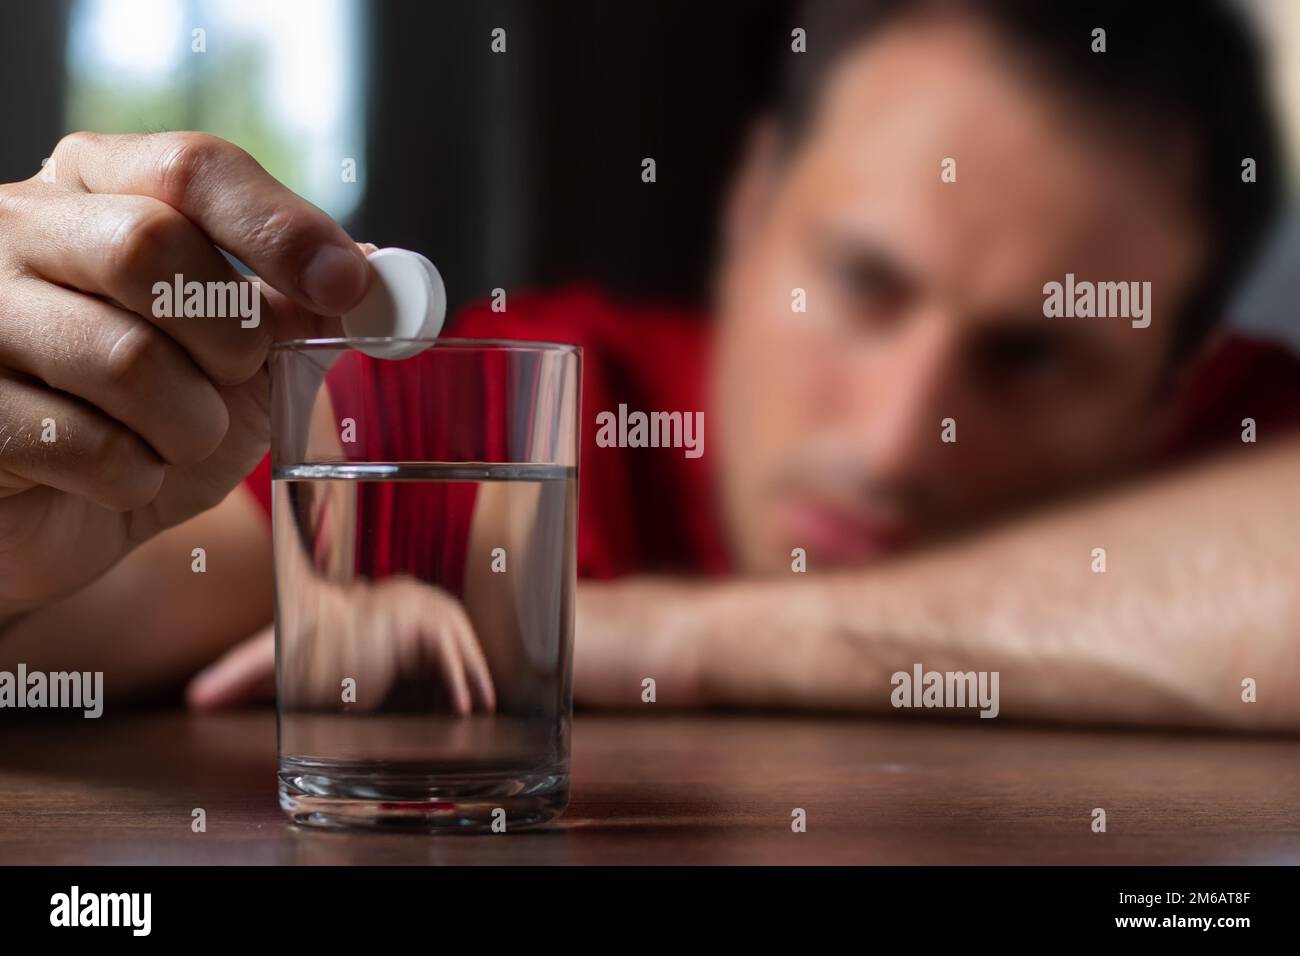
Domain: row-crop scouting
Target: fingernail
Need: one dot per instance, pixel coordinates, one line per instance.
(335, 279)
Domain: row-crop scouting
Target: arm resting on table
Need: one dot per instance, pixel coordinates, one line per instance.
(1202, 590)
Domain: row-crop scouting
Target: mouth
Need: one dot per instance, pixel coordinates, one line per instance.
(837, 535)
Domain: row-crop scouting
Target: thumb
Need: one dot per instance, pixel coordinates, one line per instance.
(245, 674)
(289, 320)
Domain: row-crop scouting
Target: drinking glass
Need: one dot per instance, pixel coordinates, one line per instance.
(424, 521)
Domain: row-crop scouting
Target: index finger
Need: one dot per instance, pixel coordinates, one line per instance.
(287, 241)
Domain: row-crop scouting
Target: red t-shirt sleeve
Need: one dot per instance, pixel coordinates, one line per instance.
(607, 534)
(258, 484)
(639, 509)
(1238, 377)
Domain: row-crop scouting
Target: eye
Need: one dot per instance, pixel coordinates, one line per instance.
(867, 284)
(1020, 355)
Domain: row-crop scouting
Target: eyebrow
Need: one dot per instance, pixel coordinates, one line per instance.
(868, 257)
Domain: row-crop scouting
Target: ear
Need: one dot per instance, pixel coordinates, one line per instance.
(752, 188)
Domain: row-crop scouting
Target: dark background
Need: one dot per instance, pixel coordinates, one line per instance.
(515, 170)
(524, 170)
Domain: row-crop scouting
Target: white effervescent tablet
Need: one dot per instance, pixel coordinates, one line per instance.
(406, 300)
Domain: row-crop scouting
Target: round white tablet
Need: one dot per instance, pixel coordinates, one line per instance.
(406, 300)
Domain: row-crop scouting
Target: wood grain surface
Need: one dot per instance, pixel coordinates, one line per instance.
(675, 789)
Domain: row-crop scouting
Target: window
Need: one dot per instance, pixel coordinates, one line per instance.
(282, 78)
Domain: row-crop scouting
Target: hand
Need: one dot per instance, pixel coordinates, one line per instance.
(371, 632)
(154, 419)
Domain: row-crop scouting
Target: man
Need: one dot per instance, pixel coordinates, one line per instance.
(933, 170)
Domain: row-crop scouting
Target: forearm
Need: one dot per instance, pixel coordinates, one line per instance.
(1202, 589)
(152, 619)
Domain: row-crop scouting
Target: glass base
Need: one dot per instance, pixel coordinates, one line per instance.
(468, 803)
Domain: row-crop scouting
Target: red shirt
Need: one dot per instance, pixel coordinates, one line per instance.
(652, 509)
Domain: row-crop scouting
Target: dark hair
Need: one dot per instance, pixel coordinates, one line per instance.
(1190, 67)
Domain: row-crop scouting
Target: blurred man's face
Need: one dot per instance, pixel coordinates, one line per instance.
(925, 303)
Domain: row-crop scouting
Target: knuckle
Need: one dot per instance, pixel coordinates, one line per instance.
(187, 155)
(71, 145)
(74, 140)
(278, 233)
(132, 355)
(13, 202)
(139, 238)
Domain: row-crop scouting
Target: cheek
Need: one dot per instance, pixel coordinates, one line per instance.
(758, 382)
(767, 367)
(1088, 425)
(1099, 430)
(1052, 446)
(1108, 421)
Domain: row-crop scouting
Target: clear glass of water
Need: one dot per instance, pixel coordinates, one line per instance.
(424, 516)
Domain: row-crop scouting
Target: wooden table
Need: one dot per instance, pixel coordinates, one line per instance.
(665, 788)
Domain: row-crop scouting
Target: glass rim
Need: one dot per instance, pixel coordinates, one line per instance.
(515, 345)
